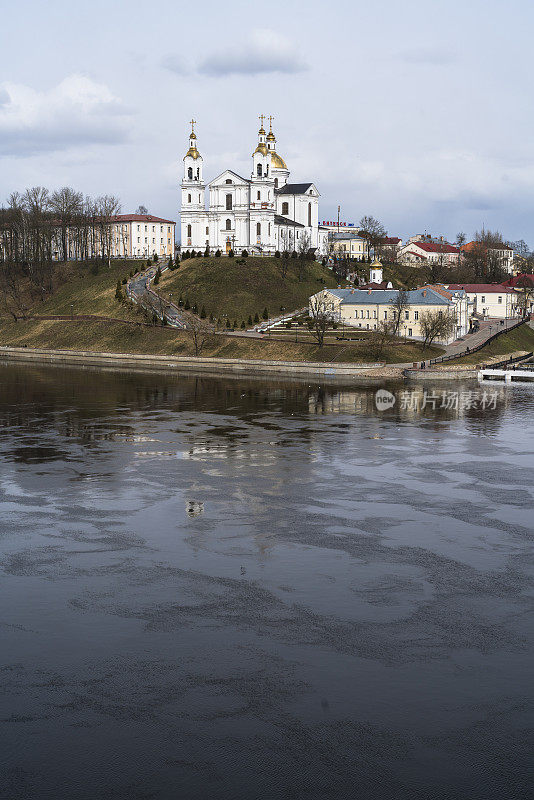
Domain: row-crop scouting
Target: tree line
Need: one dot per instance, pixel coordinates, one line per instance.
(39, 228)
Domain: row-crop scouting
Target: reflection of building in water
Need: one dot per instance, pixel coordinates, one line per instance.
(413, 401)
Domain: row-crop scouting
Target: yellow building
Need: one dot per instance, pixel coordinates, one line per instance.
(365, 308)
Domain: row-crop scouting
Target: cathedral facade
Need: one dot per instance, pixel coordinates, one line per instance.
(260, 214)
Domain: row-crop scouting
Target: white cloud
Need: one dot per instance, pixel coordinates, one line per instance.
(266, 52)
(76, 112)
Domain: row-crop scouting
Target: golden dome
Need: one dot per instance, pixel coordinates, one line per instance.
(276, 161)
(261, 130)
(261, 148)
(192, 135)
(271, 137)
(376, 263)
(193, 152)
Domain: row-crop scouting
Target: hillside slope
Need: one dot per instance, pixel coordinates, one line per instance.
(237, 287)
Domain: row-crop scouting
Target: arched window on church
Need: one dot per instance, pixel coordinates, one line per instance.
(188, 198)
(190, 173)
(228, 224)
(259, 171)
(228, 180)
(258, 229)
(207, 230)
(276, 183)
(228, 202)
(259, 195)
(189, 231)
(309, 215)
(285, 209)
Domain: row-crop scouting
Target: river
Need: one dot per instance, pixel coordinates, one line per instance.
(226, 588)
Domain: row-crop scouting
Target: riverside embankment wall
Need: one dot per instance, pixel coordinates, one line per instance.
(190, 363)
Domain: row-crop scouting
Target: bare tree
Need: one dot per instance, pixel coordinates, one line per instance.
(320, 317)
(436, 325)
(372, 231)
(385, 332)
(141, 210)
(65, 204)
(200, 331)
(108, 207)
(399, 305)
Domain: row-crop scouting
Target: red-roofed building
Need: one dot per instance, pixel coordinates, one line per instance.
(499, 251)
(142, 235)
(427, 252)
(490, 299)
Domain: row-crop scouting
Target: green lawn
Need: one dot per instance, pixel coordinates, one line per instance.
(235, 288)
(519, 339)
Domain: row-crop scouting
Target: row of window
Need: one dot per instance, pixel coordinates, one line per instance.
(154, 227)
(394, 314)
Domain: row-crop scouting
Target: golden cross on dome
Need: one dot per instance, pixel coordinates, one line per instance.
(192, 123)
(261, 118)
(270, 123)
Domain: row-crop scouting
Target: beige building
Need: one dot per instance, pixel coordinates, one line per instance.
(365, 308)
(349, 245)
(141, 235)
(490, 299)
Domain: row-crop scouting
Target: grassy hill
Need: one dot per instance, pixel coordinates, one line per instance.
(238, 287)
(123, 337)
(89, 288)
(519, 339)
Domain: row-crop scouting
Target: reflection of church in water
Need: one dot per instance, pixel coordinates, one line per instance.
(261, 214)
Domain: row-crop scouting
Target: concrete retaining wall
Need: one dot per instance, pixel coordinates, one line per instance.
(432, 375)
(179, 363)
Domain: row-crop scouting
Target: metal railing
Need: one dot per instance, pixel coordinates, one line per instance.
(469, 350)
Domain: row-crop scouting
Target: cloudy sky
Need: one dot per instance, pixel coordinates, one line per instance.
(417, 112)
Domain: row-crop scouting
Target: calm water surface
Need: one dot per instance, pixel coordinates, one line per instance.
(216, 588)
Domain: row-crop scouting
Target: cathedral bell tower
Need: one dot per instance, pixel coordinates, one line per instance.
(193, 217)
(261, 157)
(193, 188)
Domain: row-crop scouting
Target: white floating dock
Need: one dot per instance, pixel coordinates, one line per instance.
(521, 374)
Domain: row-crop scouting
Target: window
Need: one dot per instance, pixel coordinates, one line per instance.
(385, 314)
(199, 198)
(228, 224)
(207, 230)
(190, 173)
(259, 195)
(228, 180)
(138, 227)
(188, 198)
(258, 171)
(499, 299)
(416, 315)
(228, 202)
(374, 315)
(406, 315)
(483, 298)
(409, 331)
(285, 209)
(258, 229)
(440, 314)
(188, 232)
(269, 228)
(138, 239)
(276, 183)
(309, 215)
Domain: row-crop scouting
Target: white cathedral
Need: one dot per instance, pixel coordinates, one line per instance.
(260, 214)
